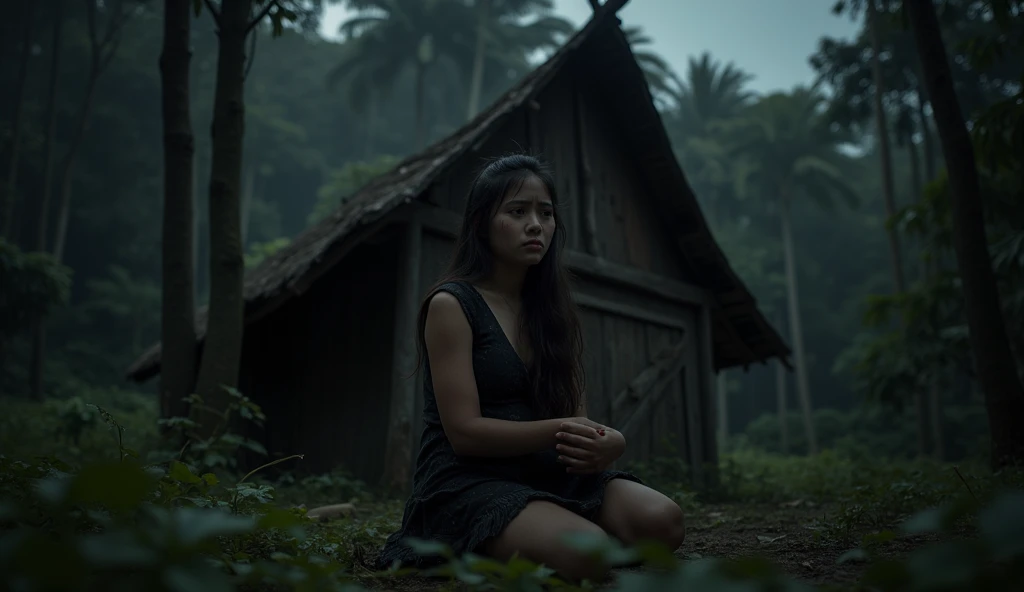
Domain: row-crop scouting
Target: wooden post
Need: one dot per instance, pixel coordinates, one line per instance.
(398, 454)
(706, 351)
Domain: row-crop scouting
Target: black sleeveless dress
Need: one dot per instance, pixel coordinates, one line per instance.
(464, 501)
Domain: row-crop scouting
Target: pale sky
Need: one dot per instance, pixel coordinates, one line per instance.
(770, 39)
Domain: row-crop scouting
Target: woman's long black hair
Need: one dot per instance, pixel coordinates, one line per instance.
(548, 311)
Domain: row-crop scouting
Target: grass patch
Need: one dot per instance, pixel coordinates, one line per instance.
(72, 487)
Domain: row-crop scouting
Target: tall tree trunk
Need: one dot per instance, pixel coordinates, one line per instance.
(10, 195)
(881, 121)
(222, 351)
(722, 388)
(796, 330)
(781, 405)
(920, 397)
(102, 49)
(64, 183)
(483, 9)
(248, 191)
(935, 402)
(38, 354)
(371, 125)
(421, 92)
(177, 315)
(926, 131)
(996, 370)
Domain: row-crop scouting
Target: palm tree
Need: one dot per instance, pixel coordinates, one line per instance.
(791, 153)
(504, 37)
(710, 95)
(710, 92)
(388, 36)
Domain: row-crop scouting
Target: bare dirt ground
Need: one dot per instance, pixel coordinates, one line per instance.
(795, 536)
(801, 538)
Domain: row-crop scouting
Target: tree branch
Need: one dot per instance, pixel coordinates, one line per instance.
(90, 19)
(252, 55)
(594, 4)
(213, 12)
(262, 14)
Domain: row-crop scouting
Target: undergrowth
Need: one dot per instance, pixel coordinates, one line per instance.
(77, 517)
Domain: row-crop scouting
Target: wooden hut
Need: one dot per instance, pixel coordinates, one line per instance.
(330, 320)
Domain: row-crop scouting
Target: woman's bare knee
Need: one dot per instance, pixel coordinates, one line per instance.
(539, 534)
(634, 513)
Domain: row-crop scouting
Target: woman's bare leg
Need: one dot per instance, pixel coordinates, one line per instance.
(632, 513)
(537, 534)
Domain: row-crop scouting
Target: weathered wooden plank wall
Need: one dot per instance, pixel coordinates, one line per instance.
(628, 230)
(556, 143)
(320, 367)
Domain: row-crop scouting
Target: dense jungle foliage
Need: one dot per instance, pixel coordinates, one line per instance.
(866, 468)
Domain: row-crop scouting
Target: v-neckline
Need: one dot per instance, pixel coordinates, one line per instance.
(494, 317)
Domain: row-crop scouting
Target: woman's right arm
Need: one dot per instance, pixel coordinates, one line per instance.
(449, 343)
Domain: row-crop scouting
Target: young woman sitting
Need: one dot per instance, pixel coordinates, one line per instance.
(508, 461)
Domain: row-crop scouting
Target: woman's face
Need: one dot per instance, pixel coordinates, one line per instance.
(523, 226)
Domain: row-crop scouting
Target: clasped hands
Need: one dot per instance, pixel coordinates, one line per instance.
(587, 447)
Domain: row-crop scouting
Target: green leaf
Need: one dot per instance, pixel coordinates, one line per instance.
(196, 578)
(925, 521)
(947, 565)
(428, 548)
(33, 557)
(8, 511)
(194, 525)
(1002, 525)
(117, 486)
(182, 474)
(279, 518)
(853, 555)
(116, 549)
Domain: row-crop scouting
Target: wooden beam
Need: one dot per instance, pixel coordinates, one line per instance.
(641, 385)
(446, 223)
(633, 278)
(647, 388)
(625, 310)
(708, 399)
(398, 452)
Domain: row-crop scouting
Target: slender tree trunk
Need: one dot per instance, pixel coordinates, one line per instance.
(916, 184)
(899, 281)
(780, 400)
(222, 351)
(483, 9)
(371, 125)
(178, 323)
(935, 402)
(38, 354)
(248, 189)
(43, 222)
(920, 397)
(10, 195)
(64, 183)
(926, 132)
(421, 71)
(722, 388)
(996, 370)
(102, 50)
(796, 330)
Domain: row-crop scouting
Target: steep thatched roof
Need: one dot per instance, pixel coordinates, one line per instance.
(746, 336)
